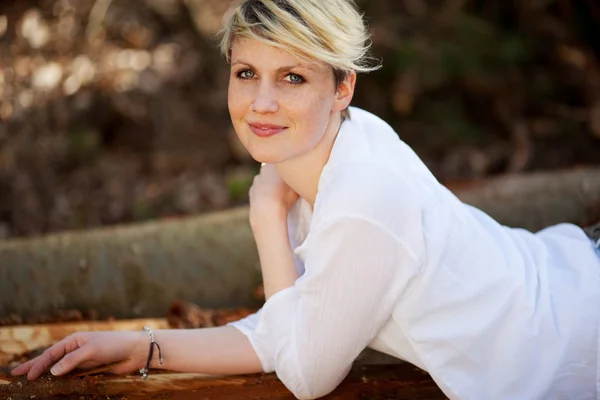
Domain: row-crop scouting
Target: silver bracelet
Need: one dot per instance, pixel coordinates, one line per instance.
(144, 371)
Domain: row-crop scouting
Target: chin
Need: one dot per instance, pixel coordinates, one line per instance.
(267, 157)
(273, 152)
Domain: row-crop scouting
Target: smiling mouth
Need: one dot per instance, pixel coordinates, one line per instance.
(265, 130)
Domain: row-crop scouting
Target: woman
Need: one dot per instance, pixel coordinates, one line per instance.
(361, 246)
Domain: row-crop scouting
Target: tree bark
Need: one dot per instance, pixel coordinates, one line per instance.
(133, 271)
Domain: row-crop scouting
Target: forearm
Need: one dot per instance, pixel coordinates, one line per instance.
(276, 256)
(215, 351)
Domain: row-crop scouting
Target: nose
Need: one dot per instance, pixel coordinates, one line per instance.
(265, 99)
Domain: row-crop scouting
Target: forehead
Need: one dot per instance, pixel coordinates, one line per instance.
(259, 54)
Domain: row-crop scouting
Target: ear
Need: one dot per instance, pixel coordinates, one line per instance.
(345, 92)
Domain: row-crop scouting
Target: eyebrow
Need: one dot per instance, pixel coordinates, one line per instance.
(279, 70)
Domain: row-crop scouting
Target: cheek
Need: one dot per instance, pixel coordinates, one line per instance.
(316, 108)
(237, 99)
(314, 102)
(312, 113)
(232, 99)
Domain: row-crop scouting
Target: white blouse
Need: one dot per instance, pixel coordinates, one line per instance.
(392, 260)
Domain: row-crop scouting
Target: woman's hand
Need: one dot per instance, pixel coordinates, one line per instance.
(270, 196)
(85, 350)
(270, 201)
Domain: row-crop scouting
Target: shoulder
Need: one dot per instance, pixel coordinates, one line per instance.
(366, 117)
(371, 201)
(373, 175)
(363, 179)
(366, 190)
(369, 167)
(368, 122)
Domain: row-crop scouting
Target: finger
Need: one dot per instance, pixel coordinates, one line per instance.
(23, 368)
(70, 361)
(51, 355)
(36, 367)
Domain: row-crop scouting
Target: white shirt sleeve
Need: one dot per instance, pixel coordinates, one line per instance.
(310, 333)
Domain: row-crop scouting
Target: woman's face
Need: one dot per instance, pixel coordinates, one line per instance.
(280, 105)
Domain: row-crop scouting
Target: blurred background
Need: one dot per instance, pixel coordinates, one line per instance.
(114, 111)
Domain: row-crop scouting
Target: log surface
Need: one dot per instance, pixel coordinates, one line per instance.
(133, 271)
(400, 381)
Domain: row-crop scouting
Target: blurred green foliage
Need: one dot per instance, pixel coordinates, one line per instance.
(84, 145)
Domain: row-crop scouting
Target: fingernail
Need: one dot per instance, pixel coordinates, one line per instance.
(56, 370)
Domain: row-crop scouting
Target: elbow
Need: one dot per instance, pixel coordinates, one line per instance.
(308, 385)
(302, 396)
(310, 392)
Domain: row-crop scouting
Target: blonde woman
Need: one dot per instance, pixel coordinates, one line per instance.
(361, 246)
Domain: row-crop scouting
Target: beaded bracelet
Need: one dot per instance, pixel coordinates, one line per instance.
(144, 371)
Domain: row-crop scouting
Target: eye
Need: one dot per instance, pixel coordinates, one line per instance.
(245, 74)
(295, 79)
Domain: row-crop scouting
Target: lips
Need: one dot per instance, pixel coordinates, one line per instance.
(266, 130)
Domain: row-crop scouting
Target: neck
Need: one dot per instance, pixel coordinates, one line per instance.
(302, 173)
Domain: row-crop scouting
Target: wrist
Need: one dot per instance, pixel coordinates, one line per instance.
(142, 351)
(268, 216)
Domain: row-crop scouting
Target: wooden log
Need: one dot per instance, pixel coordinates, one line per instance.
(535, 201)
(400, 381)
(211, 260)
(133, 271)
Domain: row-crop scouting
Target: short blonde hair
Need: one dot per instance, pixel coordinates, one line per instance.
(330, 31)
